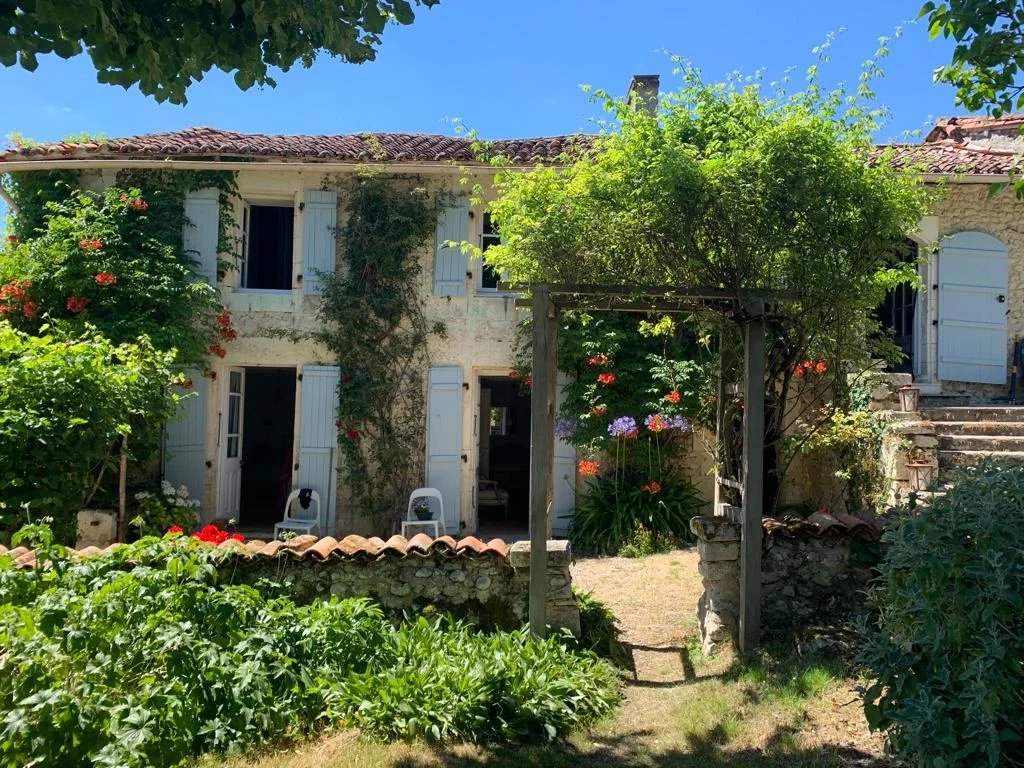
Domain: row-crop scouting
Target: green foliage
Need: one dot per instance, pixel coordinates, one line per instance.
(442, 681)
(599, 629)
(157, 511)
(33, 191)
(608, 516)
(66, 402)
(644, 542)
(729, 188)
(166, 47)
(115, 236)
(148, 657)
(947, 651)
(372, 320)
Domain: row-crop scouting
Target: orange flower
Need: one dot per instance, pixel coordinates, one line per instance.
(90, 245)
(652, 487)
(28, 309)
(597, 360)
(673, 396)
(599, 410)
(799, 371)
(588, 468)
(606, 378)
(139, 204)
(217, 349)
(820, 367)
(106, 279)
(513, 374)
(77, 303)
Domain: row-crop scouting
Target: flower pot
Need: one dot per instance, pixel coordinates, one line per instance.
(423, 515)
(922, 474)
(909, 397)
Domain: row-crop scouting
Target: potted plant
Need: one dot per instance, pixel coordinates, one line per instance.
(422, 510)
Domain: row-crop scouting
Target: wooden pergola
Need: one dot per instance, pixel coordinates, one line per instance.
(747, 308)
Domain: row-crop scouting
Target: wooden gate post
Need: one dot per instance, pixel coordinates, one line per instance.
(542, 449)
(753, 476)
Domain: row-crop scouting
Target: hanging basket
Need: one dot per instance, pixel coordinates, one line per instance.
(922, 475)
(909, 398)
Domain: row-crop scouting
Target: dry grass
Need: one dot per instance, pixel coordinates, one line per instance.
(678, 710)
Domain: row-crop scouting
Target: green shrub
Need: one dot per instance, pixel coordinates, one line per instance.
(145, 657)
(609, 515)
(599, 629)
(947, 653)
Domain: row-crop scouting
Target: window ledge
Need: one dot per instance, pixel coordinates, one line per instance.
(260, 300)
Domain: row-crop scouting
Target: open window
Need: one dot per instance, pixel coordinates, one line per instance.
(489, 276)
(269, 231)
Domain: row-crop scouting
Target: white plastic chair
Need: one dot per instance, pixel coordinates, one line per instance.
(301, 521)
(436, 520)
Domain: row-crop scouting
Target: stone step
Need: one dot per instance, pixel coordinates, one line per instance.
(992, 428)
(959, 459)
(981, 443)
(944, 401)
(1007, 413)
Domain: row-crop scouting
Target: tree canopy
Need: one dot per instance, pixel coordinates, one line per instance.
(989, 53)
(165, 46)
(727, 188)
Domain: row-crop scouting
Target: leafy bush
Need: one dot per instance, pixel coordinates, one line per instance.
(608, 516)
(66, 401)
(948, 648)
(599, 629)
(147, 657)
(157, 511)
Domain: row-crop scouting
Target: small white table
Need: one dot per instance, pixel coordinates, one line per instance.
(407, 524)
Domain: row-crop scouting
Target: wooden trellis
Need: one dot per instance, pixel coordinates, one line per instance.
(748, 309)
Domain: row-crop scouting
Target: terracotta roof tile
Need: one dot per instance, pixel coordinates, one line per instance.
(967, 127)
(947, 157)
(352, 547)
(357, 147)
(823, 524)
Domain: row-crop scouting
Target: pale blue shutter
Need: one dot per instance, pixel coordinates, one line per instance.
(450, 262)
(200, 231)
(564, 474)
(184, 460)
(319, 234)
(444, 440)
(318, 438)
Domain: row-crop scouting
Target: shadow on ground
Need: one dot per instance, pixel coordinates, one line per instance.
(632, 750)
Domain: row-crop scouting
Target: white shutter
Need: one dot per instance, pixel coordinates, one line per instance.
(450, 262)
(319, 236)
(318, 438)
(184, 460)
(444, 440)
(973, 300)
(200, 230)
(564, 474)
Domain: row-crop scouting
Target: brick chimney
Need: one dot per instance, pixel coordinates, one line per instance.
(643, 93)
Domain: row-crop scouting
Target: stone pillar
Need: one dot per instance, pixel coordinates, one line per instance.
(718, 544)
(561, 608)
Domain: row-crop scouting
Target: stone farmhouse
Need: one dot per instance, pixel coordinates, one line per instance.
(265, 420)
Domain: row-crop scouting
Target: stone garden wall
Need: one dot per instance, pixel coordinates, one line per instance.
(809, 570)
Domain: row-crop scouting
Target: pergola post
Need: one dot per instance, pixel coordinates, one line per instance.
(542, 449)
(753, 476)
(721, 469)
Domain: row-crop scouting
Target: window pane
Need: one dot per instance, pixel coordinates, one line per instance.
(235, 382)
(234, 411)
(269, 247)
(232, 447)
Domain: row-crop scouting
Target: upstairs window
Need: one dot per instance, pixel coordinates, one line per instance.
(489, 277)
(267, 257)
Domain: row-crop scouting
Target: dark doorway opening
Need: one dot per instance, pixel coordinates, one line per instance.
(896, 314)
(267, 444)
(503, 471)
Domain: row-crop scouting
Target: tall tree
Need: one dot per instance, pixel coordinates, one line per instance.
(164, 46)
(727, 188)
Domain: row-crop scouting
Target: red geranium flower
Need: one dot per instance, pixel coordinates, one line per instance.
(606, 378)
(175, 529)
(105, 278)
(352, 434)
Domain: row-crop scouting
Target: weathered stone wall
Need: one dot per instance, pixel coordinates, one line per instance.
(803, 577)
(485, 588)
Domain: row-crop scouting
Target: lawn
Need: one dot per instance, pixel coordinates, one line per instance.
(677, 710)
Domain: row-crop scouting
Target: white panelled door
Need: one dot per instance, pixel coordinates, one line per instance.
(184, 459)
(444, 440)
(230, 487)
(564, 474)
(318, 438)
(972, 335)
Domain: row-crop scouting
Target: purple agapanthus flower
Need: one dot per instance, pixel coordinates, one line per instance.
(679, 422)
(564, 428)
(624, 426)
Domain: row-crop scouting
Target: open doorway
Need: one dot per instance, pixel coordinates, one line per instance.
(503, 470)
(896, 313)
(268, 433)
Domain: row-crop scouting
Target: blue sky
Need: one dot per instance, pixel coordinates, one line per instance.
(507, 69)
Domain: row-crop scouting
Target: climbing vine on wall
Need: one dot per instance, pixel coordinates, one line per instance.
(373, 321)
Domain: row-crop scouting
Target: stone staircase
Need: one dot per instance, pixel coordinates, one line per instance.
(969, 434)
